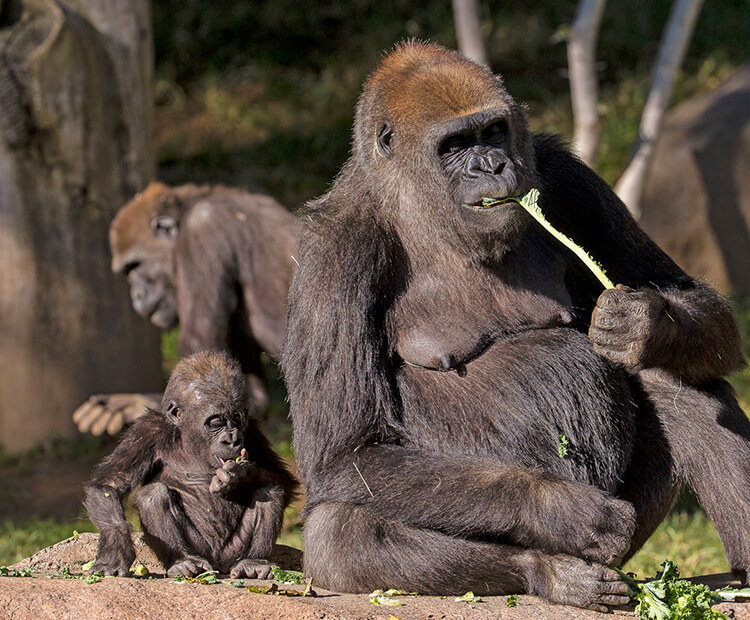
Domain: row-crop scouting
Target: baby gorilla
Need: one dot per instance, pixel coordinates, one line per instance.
(213, 492)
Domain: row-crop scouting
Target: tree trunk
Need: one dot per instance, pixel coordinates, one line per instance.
(583, 79)
(468, 30)
(677, 35)
(75, 109)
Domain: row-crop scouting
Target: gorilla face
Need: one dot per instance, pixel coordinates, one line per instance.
(152, 290)
(142, 238)
(477, 157)
(447, 134)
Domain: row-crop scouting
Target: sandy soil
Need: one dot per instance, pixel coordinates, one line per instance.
(38, 597)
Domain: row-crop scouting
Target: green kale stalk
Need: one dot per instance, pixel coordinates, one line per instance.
(529, 202)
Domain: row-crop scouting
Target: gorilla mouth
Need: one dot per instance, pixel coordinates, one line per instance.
(491, 204)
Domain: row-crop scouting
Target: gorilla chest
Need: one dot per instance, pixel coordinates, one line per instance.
(446, 319)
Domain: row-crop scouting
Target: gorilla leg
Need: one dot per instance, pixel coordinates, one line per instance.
(167, 529)
(705, 440)
(389, 554)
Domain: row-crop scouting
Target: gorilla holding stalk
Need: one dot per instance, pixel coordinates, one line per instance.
(437, 350)
(216, 260)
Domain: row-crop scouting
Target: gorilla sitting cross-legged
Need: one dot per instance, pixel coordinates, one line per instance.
(216, 260)
(437, 350)
(213, 493)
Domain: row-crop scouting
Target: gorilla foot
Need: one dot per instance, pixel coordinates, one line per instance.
(571, 581)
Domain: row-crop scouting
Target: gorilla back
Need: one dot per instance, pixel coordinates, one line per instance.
(436, 353)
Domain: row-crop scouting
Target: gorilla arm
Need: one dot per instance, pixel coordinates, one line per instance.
(111, 481)
(658, 317)
(341, 379)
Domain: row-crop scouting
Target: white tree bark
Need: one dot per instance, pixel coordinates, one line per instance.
(671, 53)
(583, 80)
(468, 30)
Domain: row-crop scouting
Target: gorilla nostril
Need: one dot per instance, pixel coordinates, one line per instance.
(478, 165)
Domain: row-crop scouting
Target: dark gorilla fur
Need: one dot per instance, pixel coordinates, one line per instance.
(215, 259)
(442, 482)
(213, 491)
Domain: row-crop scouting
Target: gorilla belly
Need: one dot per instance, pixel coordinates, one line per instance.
(542, 398)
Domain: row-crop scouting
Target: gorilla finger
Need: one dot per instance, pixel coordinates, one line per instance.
(215, 485)
(600, 608)
(223, 476)
(81, 412)
(613, 600)
(115, 424)
(91, 417)
(100, 425)
(264, 572)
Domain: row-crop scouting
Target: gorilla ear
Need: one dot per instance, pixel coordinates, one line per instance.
(384, 139)
(164, 227)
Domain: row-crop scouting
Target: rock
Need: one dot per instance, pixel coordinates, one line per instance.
(76, 551)
(31, 598)
(696, 202)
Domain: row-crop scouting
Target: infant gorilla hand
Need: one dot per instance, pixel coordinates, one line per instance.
(230, 474)
(251, 568)
(625, 325)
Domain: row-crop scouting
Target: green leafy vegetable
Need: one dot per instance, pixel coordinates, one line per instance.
(469, 597)
(529, 202)
(512, 601)
(16, 572)
(667, 597)
(288, 576)
(87, 566)
(562, 448)
(386, 600)
(140, 571)
(95, 578)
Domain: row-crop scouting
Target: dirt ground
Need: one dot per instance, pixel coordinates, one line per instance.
(48, 594)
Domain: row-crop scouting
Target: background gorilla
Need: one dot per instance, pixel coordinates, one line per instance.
(216, 260)
(213, 492)
(448, 481)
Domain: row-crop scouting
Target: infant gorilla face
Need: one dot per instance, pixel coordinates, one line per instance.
(209, 405)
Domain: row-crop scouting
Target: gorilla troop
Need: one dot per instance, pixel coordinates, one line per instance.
(213, 492)
(443, 481)
(216, 260)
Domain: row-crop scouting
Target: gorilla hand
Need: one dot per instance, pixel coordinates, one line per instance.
(627, 326)
(230, 474)
(110, 412)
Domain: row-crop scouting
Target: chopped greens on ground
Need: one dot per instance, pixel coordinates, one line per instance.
(288, 576)
(529, 202)
(667, 597)
(469, 597)
(562, 447)
(512, 601)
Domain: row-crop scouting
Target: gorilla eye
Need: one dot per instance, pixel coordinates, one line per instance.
(454, 144)
(496, 133)
(164, 226)
(385, 135)
(215, 423)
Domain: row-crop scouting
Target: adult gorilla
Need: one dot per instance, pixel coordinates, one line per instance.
(441, 482)
(214, 259)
